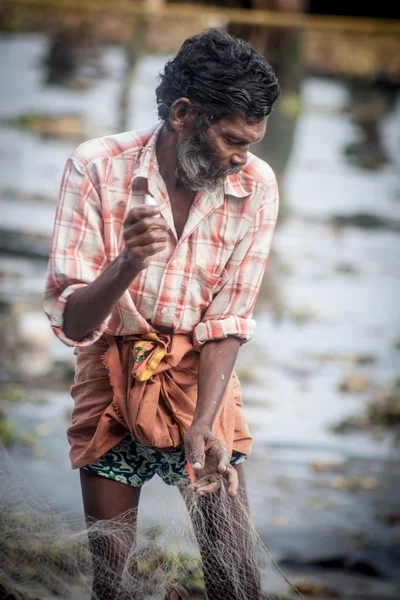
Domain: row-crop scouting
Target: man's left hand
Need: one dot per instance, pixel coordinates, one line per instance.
(209, 459)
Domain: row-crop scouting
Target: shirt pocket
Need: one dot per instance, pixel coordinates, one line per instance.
(202, 288)
(206, 285)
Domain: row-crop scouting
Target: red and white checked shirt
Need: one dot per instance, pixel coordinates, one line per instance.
(205, 284)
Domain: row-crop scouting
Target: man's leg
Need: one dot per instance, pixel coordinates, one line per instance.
(226, 544)
(111, 544)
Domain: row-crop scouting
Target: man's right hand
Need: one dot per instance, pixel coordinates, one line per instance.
(145, 234)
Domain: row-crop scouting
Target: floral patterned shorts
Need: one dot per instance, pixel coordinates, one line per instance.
(133, 464)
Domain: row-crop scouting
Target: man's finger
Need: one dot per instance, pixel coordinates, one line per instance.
(152, 249)
(194, 448)
(223, 464)
(222, 456)
(233, 481)
(146, 224)
(208, 483)
(208, 489)
(146, 239)
(134, 230)
(204, 480)
(140, 212)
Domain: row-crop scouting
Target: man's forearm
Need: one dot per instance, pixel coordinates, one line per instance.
(217, 360)
(87, 307)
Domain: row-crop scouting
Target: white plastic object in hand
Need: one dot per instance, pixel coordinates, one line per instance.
(149, 201)
(197, 466)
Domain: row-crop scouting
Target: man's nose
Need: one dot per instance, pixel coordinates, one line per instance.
(239, 158)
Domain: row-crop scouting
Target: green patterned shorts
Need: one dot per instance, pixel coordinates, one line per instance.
(133, 464)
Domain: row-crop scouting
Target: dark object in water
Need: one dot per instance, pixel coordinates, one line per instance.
(176, 592)
(365, 221)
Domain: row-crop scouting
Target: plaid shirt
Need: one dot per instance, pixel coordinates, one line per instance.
(205, 284)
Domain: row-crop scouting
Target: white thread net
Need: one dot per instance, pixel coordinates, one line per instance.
(45, 555)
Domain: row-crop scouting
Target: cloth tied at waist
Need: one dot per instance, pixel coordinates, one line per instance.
(157, 399)
(153, 394)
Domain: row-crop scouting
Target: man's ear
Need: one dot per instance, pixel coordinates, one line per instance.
(182, 115)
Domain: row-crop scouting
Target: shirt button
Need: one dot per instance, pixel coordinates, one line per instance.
(174, 263)
(164, 311)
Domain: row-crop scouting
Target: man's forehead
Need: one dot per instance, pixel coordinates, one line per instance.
(238, 128)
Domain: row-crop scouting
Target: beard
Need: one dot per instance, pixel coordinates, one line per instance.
(194, 169)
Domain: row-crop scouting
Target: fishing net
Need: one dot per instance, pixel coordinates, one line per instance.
(45, 555)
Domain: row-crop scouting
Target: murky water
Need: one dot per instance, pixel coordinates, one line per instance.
(317, 495)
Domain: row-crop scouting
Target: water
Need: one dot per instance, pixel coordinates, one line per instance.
(337, 291)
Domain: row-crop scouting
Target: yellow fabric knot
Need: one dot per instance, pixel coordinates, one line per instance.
(147, 355)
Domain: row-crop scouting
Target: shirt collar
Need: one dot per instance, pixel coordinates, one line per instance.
(240, 185)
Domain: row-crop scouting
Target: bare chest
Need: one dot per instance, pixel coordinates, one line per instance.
(180, 206)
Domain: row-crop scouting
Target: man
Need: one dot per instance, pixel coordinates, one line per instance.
(159, 248)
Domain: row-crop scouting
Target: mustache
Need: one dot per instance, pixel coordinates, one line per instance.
(230, 170)
(217, 168)
(195, 168)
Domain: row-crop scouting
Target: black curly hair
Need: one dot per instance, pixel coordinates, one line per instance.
(221, 75)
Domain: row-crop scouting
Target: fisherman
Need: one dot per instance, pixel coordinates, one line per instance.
(160, 243)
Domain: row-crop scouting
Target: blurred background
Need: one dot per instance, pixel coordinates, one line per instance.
(321, 378)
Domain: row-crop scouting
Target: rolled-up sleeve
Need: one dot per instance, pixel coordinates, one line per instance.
(77, 253)
(230, 312)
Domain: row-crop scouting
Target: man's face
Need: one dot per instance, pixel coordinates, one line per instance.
(211, 154)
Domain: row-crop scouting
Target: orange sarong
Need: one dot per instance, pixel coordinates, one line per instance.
(145, 384)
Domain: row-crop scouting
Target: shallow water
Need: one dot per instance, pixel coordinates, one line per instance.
(338, 290)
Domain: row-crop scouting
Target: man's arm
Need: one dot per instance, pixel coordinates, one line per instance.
(89, 306)
(228, 319)
(204, 451)
(82, 286)
(145, 235)
(217, 360)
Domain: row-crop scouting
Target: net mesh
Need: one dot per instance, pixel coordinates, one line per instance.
(215, 554)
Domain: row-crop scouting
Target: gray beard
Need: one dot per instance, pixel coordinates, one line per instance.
(194, 170)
